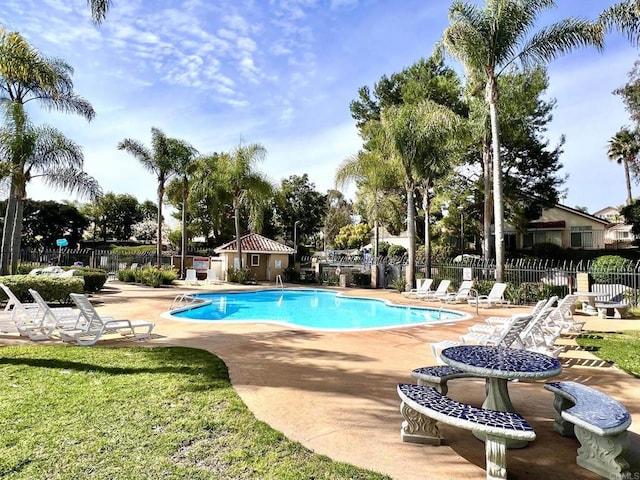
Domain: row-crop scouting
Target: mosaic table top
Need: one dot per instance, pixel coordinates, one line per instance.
(501, 362)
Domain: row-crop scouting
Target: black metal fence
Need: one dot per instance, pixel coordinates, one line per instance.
(609, 277)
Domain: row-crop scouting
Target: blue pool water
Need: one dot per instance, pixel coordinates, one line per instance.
(315, 309)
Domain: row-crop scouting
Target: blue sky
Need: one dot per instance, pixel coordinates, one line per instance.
(282, 73)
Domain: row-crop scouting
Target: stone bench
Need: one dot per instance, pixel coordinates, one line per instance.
(432, 406)
(618, 310)
(598, 421)
(438, 375)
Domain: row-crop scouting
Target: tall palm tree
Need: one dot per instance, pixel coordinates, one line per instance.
(248, 187)
(183, 158)
(624, 147)
(38, 151)
(26, 75)
(416, 136)
(158, 161)
(374, 176)
(489, 41)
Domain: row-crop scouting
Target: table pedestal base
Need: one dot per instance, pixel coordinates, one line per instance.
(498, 399)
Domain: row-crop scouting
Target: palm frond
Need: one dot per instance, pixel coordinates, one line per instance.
(99, 10)
(625, 17)
(73, 180)
(562, 37)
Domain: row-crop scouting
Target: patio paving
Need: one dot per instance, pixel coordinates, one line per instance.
(336, 392)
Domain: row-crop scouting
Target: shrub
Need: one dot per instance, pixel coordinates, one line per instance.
(531, 292)
(126, 275)
(149, 275)
(94, 278)
(400, 284)
(603, 267)
(240, 276)
(291, 274)
(383, 249)
(397, 251)
(52, 289)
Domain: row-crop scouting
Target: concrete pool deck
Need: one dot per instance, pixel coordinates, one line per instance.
(336, 392)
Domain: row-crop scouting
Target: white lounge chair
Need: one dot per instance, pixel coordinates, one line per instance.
(96, 326)
(424, 286)
(15, 312)
(535, 339)
(442, 289)
(505, 337)
(493, 298)
(191, 277)
(492, 322)
(462, 295)
(562, 316)
(212, 277)
(48, 319)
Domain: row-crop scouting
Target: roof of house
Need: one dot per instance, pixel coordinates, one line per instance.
(254, 243)
(606, 211)
(581, 213)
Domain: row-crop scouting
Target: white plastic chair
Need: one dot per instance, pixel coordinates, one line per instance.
(48, 319)
(424, 286)
(493, 298)
(96, 326)
(442, 289)
(191, 278)
(212, 277)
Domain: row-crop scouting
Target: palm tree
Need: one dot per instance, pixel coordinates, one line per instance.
(34, 152)
(26, 75)
(158, 161)
(489, 41)
(183, 157)
(624, 147)
(249, 188)
(374, 176)
(417, 134)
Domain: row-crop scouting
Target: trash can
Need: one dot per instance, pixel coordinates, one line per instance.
(343, 280)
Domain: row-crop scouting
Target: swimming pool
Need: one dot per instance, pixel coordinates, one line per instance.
(309, 308)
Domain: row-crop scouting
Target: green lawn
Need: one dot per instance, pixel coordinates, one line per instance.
(139, 413)
(620, 348)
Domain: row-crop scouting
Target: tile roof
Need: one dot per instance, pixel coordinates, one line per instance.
(254, 243)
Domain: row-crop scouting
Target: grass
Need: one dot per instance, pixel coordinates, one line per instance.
(139, 413)
(620, 348)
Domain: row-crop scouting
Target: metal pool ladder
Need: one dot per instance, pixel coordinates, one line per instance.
(279, 281)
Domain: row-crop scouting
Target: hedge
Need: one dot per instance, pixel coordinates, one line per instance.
(52, 289)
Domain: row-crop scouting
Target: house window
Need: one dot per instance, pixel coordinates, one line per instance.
(581, 237)
(532, 238)
(255, 260)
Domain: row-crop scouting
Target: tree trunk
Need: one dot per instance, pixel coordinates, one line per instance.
(7, 231)
(411, 233)
(236, 209)
(627, 177)
(498, 211)
(17, 235)
(185, 194)
(488, 195)
(426, 206)
(159, 225)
